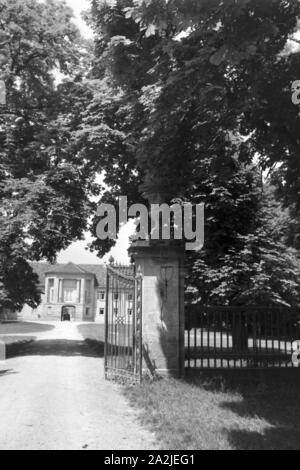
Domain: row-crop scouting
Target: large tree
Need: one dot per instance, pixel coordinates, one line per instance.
(44, 187)
(197, 105)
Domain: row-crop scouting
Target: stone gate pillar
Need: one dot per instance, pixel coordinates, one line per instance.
(161, 265)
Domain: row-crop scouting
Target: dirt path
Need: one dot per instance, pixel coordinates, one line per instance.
(54, 396)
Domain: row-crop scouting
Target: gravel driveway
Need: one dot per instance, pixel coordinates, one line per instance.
(54, 396)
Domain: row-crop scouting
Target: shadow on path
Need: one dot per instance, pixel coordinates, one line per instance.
(7, 372)
(56, 347)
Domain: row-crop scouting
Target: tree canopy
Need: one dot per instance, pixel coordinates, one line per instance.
(197, 106)
(43, 187)
(179, 99)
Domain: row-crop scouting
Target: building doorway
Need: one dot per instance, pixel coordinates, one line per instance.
(68, 313)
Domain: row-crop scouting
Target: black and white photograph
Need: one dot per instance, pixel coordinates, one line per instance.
(149, 227)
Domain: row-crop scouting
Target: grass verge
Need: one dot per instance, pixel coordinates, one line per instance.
(14, 343)
(244, 410)
(10, 340)
(92, 331)
(13, 328)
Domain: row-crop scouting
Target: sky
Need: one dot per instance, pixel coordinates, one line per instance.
(77, 252)
(79, 6)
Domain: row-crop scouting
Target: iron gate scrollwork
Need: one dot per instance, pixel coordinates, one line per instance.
(123, 324)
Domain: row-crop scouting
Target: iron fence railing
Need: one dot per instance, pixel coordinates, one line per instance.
(241, 337)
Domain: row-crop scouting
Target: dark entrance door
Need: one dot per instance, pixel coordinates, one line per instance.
(123, 324)
(68, 313)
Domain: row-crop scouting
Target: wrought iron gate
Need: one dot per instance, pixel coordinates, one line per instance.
(123, 324)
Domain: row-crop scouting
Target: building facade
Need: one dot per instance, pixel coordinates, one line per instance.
(78, 291)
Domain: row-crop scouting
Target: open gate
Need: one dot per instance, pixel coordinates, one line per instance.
(123, 324)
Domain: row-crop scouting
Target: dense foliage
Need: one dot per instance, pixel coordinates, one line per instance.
(193, 101)
(185, 99)
(43, 186)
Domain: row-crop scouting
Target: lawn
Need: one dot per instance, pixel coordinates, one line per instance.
(14, 343)
(92, 331)
(14, 328)
(26, 330)
(9, 340)
(234, 410)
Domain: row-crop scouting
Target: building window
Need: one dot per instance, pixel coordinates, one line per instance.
(101, 311)
(130, 311)
(87, 311)
(51, 290)
(100, 295)
(116, 296)
(69, 290)
(130, 297)
(116, 311)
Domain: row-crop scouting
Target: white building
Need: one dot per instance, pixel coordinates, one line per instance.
(78, 291)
